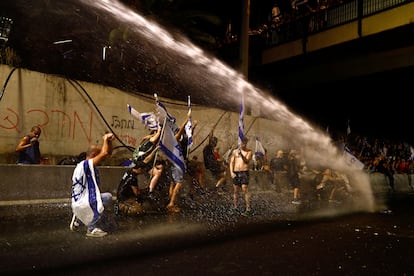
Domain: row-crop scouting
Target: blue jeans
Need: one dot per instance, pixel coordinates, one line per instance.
(106, 201)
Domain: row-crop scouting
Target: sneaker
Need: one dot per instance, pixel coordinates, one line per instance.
(173, 209)
(221, 192)
(74, 224)
(151, 196)
(247, 213)
(336, 202)
(96, 233)
(320, 186)
(296, 202)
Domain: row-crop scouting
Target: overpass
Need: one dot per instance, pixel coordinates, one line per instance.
(354, 39)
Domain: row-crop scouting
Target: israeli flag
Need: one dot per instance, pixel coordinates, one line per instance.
(162, 110)
(148, 119)
(170, 147)
(227, 154)
(259, 151)
(352, 161)
(241, 123)
(86, 198)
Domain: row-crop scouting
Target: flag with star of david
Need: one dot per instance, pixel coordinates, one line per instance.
(86, 197)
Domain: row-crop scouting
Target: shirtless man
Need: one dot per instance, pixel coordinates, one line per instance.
(239, 171)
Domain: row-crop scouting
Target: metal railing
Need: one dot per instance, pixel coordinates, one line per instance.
(330, 17)
(5, 28)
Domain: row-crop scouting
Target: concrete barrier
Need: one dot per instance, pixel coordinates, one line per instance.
(37, 190)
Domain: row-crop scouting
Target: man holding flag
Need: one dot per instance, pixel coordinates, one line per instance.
(174, 151)
(239, 166)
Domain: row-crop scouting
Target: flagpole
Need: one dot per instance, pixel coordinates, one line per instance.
(251, 124)
(189, 119)
(156, 153)
(241, 122)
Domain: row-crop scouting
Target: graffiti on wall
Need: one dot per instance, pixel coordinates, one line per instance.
(71, 125)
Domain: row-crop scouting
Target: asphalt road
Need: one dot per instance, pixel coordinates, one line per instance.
(288, 243)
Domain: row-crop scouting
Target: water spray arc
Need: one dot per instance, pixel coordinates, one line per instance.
(213, 81)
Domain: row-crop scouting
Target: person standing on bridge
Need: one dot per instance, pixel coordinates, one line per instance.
(88, 203)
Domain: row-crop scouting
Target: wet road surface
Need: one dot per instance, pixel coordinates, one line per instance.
(380, 243)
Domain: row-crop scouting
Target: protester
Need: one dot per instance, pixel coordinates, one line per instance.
(216, 166)
(176, 172)
(195, 169)
(29, 147)
(294, 168)
(239, 171)
(144, 156)
(335, 184)
(278, 168)
(127, 195)
(88, 203)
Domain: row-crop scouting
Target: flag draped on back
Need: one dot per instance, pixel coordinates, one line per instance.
(170, 147)
(148, 119)
(86, 198)
(188, 127)
(241, 123)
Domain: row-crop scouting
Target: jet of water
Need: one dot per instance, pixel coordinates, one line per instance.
(216, 81)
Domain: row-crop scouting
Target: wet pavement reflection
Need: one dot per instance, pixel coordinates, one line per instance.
(290, 242)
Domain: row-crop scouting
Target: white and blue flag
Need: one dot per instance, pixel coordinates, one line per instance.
(163, 114)
(162, 111)
(86, 197)
(259, 150)
(351, 160)
(148, 119)
(171, 148)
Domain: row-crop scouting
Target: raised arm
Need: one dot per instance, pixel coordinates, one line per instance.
(106, 149)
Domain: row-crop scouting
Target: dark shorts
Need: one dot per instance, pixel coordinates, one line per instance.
(217, 171)
(241, 178)
(294, 181)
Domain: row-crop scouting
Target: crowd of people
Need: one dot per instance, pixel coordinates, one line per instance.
(284, 168)
(383, 156)
(283, 12)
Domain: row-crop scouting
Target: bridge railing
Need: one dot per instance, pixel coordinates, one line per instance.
(300, 26)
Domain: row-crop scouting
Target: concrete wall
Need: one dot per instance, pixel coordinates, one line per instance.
(65, 109)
